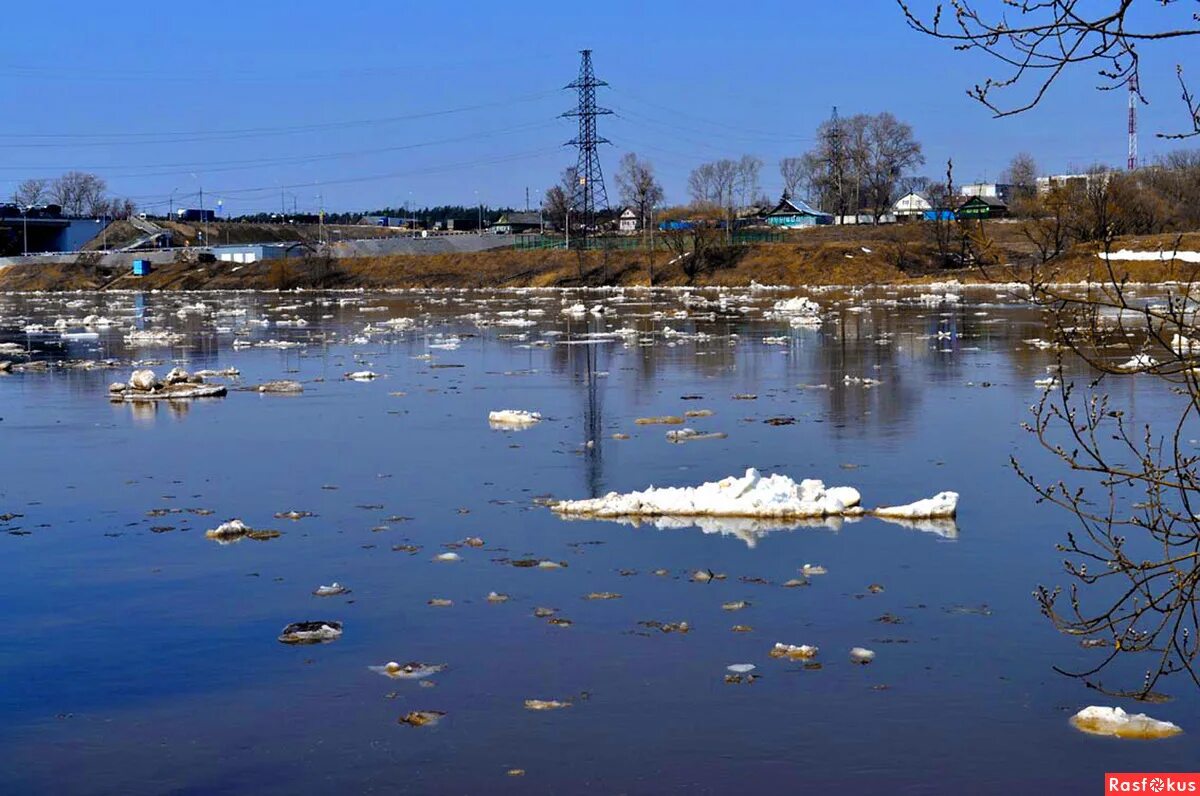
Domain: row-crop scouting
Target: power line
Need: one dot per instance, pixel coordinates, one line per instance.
(195, 136)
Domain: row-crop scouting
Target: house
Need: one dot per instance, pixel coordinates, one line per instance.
(516, 223)
(627, 221)
(1072, 181)
(796, 213)
(256, 252)
(912, 205)
(983, 207)
(988, 190)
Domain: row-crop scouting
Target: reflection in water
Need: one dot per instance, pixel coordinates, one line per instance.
(751, 530)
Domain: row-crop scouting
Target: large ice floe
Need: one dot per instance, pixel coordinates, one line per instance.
(1098, 720)
(753, 495)
(756, 504)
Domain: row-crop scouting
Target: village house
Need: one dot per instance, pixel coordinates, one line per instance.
(796, 213)
(911, 207)
(983, 207)
(627, 221)
(516, 223)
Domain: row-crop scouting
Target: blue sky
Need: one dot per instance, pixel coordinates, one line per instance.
(363, 104)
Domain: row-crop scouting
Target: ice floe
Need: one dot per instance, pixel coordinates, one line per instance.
(752, 495)
(513, 418)
(1098, 720)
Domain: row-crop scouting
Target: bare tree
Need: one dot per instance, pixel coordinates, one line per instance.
(557, 200)
(746, 183)
(1048, 37)
(1022, 174)
(79, 193)
(798, 176)
(890, 150)
(31, 192)
(713, 183)
(638, 186)
(1133, 558)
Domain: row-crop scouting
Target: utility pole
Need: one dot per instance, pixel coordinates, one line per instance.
(25, 224)
(589, 195)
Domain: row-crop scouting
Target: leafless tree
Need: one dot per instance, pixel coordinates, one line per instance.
(1133, 556)
(890, 150)
(798, 175)
(79, 193)
(746, 183)
(1022, 174)
(713, 183)
(639, 188)
(557, 200)
(1037, 40)
(31, 192)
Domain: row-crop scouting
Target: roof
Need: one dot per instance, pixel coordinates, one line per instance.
(628, 212)
(794, 207)
(990, 201)
(519, 218)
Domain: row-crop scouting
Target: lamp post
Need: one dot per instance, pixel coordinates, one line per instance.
(25, 224)
(567, 230)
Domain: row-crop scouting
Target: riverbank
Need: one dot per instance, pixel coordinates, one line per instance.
(868, 256)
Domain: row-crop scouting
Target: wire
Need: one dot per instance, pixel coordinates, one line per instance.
(185, 137)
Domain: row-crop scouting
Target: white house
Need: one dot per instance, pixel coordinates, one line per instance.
(911, 205)
(987, 190)
(627, 221)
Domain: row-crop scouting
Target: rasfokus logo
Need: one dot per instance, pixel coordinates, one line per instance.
(1152, 783)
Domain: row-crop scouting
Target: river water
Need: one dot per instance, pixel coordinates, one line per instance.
(139, 656)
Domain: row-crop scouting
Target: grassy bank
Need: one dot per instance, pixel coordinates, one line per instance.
(843, 256)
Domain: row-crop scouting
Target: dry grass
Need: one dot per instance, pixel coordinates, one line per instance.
(832, 255)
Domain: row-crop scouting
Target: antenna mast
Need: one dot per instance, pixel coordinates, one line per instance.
(1131, 164)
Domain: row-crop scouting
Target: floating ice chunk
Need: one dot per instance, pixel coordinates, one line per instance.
(575, 309)
(809, 570)
(362, 375)
(741, 668)
(692, 435)
(447, 557)
(228, 529)
(1098, 720)
(420, 718)
(793, 652)
(408, 671)
(545, 704)
(143, 380)
(943, 505)
(330, 591)
(861, 655)
(1185, 345)
(1139, 362)
(752, 495)
(317, 632)
(508, 418)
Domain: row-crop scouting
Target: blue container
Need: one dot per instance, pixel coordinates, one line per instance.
(141, 267)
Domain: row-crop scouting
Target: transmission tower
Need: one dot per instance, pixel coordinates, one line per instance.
(1133, 99)
(836, 164)
(589, 195)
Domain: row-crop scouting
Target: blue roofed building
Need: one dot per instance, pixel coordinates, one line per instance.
(796, 213)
